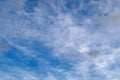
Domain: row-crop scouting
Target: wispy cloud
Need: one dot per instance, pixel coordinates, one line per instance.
(84, 33)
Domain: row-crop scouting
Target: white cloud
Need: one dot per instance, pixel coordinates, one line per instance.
(22, 74)
(71, 38)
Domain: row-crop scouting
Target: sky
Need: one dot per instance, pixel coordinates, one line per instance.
(59, 39)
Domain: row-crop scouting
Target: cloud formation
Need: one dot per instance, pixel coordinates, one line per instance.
(64, 39)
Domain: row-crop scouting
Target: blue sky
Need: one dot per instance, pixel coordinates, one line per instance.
(59, 40)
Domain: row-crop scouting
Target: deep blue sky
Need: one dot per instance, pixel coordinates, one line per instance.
(59, 40)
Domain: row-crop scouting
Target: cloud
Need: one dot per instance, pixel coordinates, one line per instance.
(86, 35)
(20, 73)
